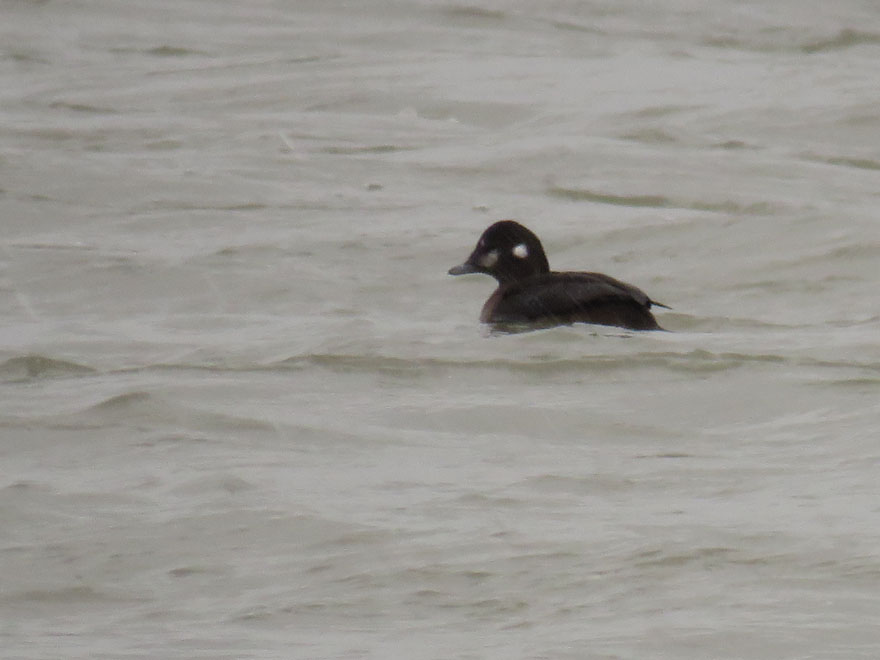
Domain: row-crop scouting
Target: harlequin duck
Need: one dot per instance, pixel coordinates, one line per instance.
(529, 292)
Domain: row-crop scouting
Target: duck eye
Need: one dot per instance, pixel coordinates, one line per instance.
(520, 251)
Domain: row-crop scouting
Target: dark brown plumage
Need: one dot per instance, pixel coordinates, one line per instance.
(529, 292)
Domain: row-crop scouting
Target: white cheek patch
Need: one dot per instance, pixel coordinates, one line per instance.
(520, 251)
(489, 259)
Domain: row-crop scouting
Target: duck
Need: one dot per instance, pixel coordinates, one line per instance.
(530, 293)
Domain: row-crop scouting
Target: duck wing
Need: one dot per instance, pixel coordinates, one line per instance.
(562, 298)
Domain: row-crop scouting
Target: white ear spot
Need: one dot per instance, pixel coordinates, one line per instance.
(489, 259)
(520, 251)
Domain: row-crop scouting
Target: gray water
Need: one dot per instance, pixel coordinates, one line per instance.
(244, 412)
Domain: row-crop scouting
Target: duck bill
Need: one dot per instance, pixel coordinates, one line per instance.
(464, 269)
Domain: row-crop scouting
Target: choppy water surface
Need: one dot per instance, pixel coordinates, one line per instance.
(244, 413)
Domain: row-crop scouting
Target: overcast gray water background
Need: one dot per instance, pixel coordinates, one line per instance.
(244, 412)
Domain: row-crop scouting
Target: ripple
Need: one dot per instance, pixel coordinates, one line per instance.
(172, 51)
(471, 13)
(844, 39)
(81, 107)
(154, 411)
(62, 596)
(370, 149)
(661, 201)
(33, 367)
(845, 161)
(694, 361)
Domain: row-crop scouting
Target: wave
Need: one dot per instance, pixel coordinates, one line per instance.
(844, 161)
(33, 367)
(661, 201)
(779, 41)
(691, 361)
(153, 410)
(846, 38)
